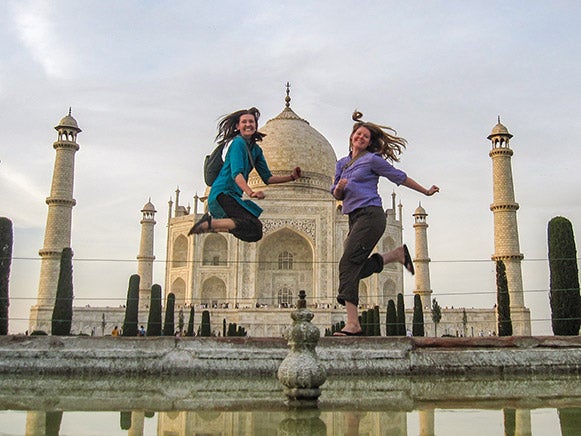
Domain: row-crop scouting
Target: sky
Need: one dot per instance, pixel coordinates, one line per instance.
(148, 80)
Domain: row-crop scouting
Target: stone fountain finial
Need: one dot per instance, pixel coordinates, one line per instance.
(301, 373)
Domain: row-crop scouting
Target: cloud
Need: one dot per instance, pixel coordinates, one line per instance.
(25, 200)
(38, 30)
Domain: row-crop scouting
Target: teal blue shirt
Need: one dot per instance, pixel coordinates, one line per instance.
(237, 162)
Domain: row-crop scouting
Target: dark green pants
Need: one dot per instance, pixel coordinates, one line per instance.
(366, 226)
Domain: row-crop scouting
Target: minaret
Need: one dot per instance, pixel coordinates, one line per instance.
(145, 257)
(506, 242)
(58, 222)
(422, 260)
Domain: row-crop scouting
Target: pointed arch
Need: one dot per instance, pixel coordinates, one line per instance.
(178, 288)
(388, 292)
(363, 294)
(285, 265)
(180, 252)
(213, 292)
(387, 244)
(215, 251)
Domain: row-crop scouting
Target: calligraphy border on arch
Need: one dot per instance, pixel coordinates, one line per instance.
(306, 226)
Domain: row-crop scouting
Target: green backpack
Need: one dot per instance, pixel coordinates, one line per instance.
(214, 162)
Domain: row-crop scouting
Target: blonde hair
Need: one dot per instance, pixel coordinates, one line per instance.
(388, 145)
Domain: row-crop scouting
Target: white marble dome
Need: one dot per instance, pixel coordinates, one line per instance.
(291, 141)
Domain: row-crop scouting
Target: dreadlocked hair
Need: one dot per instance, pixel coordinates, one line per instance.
(227, 125)
(388, 145)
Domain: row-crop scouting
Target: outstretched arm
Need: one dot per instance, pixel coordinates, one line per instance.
(412, 184)
(295, 174)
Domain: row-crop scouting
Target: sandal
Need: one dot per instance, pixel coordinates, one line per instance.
(409, 265)
(197, 228)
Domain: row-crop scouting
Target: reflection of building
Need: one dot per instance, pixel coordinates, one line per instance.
(303, 238)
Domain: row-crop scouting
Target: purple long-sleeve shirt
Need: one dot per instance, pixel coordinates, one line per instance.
(363, 178)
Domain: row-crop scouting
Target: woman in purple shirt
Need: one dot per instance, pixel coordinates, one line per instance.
(356, 180)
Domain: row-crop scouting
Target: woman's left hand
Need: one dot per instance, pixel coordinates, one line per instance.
(433, 189)
(296, 174)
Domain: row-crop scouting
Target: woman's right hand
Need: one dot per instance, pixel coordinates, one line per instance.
(339, 191)
(257, 194)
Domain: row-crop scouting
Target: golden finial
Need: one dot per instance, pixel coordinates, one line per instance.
(287, 98)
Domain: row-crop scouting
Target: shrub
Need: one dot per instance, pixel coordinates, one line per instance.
(6, 241)
(154, 319)
(169, 323)
(564, 281)
(502, 300)
(62, 314)
(132, 307)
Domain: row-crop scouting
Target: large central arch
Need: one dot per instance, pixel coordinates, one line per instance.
(285, 266)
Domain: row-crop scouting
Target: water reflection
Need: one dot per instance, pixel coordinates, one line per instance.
(170, 406)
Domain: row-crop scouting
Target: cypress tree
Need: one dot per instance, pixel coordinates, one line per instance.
(62, 314)
(125, 420)
(6, 241)
(418, 318)
(365, 323)
(400, 316)
(181, 321)
(465, 322)
(206, 328)
(154, 319)
(570, 421)
(131, 307)
(436, 315)
(376, 321)
(53, 422)
(391, 319)
(564, 280)
(509, 422)
(169, 324)
(224, 331)
(191, 322)
(502, 300)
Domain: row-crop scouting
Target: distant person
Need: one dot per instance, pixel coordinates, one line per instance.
(371, 149)
(228, 212)
(115, 331)
(141, 331)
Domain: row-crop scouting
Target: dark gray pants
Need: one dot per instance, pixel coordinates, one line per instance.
(366, 226)
(248, 227)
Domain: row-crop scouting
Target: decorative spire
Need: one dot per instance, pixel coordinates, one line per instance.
(287, 98)
(70, 111)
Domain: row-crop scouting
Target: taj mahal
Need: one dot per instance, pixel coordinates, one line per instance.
(255, 285)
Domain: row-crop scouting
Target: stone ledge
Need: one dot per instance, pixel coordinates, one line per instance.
(244, 357)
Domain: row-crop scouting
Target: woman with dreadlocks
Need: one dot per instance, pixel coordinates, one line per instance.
(228, 211)
(371, 149)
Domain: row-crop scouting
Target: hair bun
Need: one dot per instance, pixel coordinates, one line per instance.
(356, 115)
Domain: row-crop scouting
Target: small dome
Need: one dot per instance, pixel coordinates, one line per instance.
(148, 207)
(68, 121)
(499, 129)
(420, 210)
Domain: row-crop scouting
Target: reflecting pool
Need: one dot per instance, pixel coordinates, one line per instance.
(172, 406)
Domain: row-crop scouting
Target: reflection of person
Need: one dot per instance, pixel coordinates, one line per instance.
(356, 183)
(228, 212)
